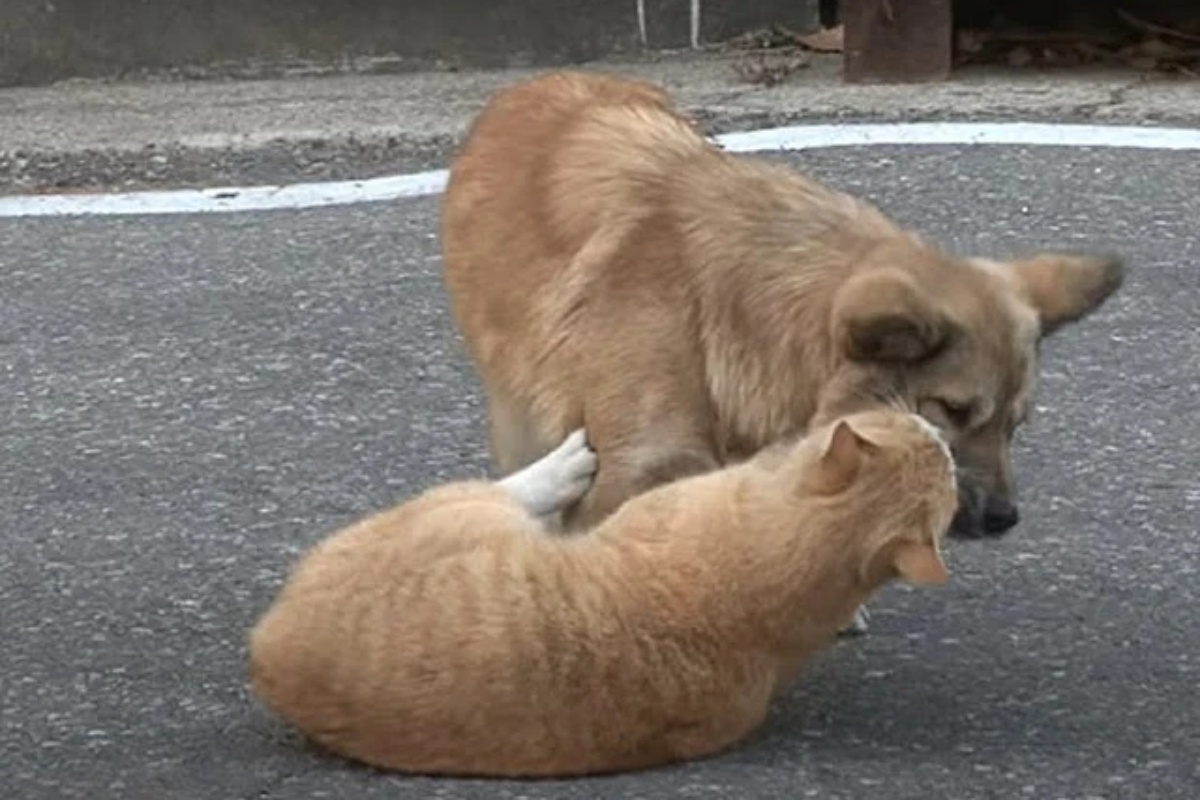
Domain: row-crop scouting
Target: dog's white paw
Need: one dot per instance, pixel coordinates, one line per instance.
(859, 624)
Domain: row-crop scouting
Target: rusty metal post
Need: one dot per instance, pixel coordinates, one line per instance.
(897, 40)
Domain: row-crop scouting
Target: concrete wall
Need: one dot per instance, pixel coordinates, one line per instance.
(47, 40)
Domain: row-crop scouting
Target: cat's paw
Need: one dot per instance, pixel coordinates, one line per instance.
(557, 479)
(574, 466)
(859, 624)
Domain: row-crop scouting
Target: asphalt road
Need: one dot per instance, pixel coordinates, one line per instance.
(188, 402)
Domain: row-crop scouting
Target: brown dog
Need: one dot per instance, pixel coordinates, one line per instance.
(609, 266)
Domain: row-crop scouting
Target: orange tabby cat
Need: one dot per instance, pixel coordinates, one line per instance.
(453, 635)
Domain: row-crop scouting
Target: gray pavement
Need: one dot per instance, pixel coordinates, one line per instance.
(190, 401)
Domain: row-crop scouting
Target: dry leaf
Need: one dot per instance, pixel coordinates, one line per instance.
(826, 40)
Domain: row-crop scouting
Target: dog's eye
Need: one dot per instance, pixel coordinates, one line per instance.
(957, 414)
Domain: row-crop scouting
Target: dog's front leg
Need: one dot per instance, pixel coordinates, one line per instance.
(624, 473)
(648, 416)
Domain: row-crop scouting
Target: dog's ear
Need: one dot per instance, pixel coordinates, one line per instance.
(882, 315)
(841, 459)
(1062, 288)
(919, 563)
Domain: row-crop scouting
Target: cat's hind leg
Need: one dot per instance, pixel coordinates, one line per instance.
(555, 480)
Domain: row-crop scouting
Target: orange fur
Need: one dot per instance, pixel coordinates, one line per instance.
(452, 635)
(609, 267)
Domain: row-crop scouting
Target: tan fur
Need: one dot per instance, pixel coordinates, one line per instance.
(609, 267)
(452, 635)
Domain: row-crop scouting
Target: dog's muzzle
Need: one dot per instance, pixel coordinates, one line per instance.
(983, 515)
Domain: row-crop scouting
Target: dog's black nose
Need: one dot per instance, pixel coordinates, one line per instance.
(999, 515)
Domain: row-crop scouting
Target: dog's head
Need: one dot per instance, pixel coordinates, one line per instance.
(958, 340)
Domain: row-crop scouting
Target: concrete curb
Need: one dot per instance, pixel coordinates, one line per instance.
(97, 135)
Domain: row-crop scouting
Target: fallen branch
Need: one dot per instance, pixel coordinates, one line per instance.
(1151, 27)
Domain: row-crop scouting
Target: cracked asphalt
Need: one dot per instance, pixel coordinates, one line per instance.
(190, 401)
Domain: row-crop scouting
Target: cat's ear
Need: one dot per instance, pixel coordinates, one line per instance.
(919, 563)
(841, 459)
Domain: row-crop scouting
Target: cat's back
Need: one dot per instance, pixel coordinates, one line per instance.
(423, 633)
(463, 640)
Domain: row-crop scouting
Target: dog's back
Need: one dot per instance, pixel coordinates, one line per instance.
(540, 149)
(556, 177)
(544, 166)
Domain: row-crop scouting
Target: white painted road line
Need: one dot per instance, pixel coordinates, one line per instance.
(423, 184)
(809, 137)
(226, 199)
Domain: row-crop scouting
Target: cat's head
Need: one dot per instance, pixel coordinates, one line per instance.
(892, 474)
